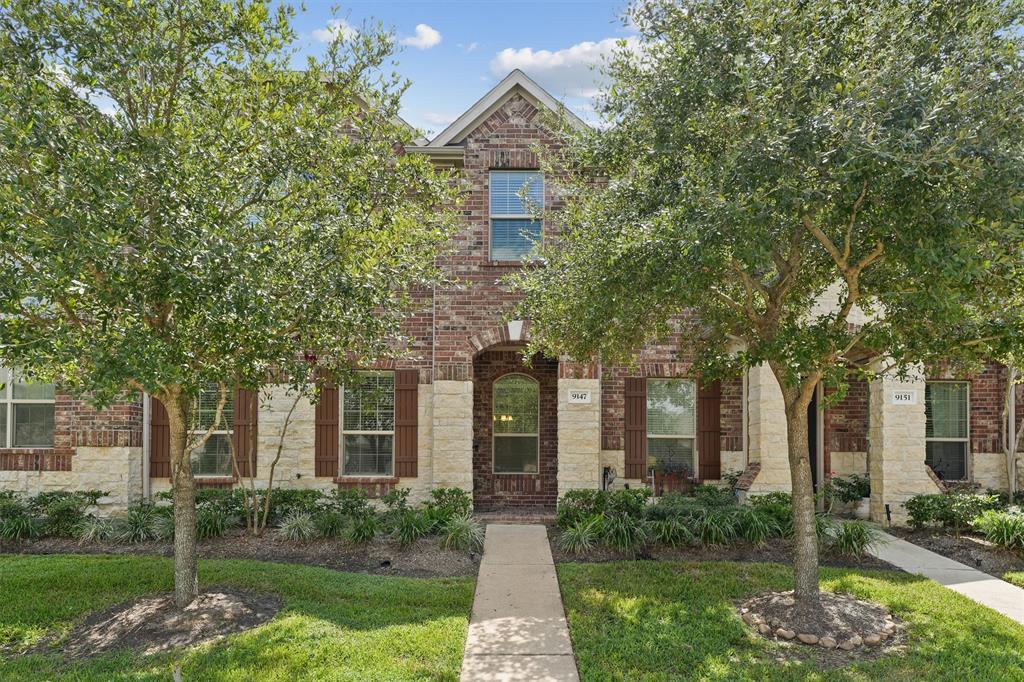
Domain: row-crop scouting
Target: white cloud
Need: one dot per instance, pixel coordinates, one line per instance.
(426, 37)
(335, 27)
(438, 119)
(471, 47)
(568, 72)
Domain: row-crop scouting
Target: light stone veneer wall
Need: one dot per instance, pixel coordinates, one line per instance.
(579, 436)
(767, 432)
(453, 435)
(988, 469)
(117, 471)
(896, 435)
(733, 461)
(847, 463)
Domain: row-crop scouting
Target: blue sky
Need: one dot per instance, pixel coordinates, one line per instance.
(453, 51)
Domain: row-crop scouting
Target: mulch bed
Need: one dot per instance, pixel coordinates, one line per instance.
(422, 559)
(154, 624)
(972, 550)
(777, 551)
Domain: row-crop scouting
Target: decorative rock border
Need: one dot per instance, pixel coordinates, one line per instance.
(884, 629)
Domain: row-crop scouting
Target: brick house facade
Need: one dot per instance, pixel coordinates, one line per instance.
(592, 426)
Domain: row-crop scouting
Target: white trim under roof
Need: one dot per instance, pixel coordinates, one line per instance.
(486, 105)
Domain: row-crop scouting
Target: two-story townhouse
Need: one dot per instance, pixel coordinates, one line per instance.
(462, 409)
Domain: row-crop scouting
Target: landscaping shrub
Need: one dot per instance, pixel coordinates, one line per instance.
(329, 523)
(670, 532)
(580, 505)
(628, 502)
(410, 526)
(624, 532)
(92, 529)
(284, 502)
(952, 510)
(137, 524)
(163, 524)
(1004, 528)
(715, 526)
(213, 522)
(581, 536)
(350, 502)
(298, 526)
(363, 528)
(674, 506)
(462, 533)
(758, 524)
(850, 488)
(447, 504)
(713, 496)
(62, 511)
(19, 525)
(852, 538)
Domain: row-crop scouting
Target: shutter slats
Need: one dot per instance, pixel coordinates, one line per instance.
(244, 427)
(159, 441)
(406, 422)
(326, 439)
(709, 430)
(636, 427)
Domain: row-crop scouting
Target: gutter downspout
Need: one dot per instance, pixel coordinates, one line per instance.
(1011, 443)
(146, 407)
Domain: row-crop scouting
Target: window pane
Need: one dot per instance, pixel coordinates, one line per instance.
(33, 426)
(515, 454)
(671, 455)
(513, 239)
(506, 188)
(367, 455)
(23, 389)
(213, 458)
(370, 403)
(946, 410)
(948, 459)
(206, 410)
(670, 407)
(3, 426)
(515, 404)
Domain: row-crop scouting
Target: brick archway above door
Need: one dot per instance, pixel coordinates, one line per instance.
(515, 331)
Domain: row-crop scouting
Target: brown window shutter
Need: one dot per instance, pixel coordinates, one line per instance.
(636, 427)
(407, 383)
(709, 430)
(159, 441)
(325, 435)
(245, 406)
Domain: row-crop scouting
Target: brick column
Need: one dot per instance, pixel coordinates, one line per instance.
(896, 447)
(453, 434)
(579, 427)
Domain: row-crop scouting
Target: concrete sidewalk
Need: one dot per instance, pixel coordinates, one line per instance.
(994, 593)
(518, 629)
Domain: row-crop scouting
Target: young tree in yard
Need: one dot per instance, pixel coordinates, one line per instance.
(765, 156)
(179, 208)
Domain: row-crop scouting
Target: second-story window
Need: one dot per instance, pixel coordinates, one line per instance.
(516, 197)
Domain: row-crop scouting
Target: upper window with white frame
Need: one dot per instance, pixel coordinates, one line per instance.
(516, 425)
(26, 412)
(947, 428)
(368, 425)
(516, 198)
(672, 425)
(213, 458)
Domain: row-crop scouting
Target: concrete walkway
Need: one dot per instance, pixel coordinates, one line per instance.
(518, 629)
(994, 593)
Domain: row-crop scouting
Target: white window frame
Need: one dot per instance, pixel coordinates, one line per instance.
(495, 435)
(511, 216)
(342, 431)
(966, 439)
(7, 379)
(230, 433)
(673, 436)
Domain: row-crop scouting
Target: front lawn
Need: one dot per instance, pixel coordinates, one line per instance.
(332, 626)
(674, 621)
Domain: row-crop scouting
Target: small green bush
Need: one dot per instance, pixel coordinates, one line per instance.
(213, 522)
(163, 524)
(363, 528)
(582, 535)
(758, 524)
(715, 526)
(850, 488)
(136, 524)
(447, 504)
(852, 538)
(330, 523)
(671, 532)
(410, 526)
(629, 502)
(350, 502)
(19, 527)
(953, 510)
(624, 532)
(713, 496)
(462, 533)
(579, 505)
(298, 526)
(1004, 528)
(92, 529)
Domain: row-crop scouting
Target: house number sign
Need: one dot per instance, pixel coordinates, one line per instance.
(580, 397)
(904, 397)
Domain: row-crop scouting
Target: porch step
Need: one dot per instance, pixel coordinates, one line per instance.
(515, 516)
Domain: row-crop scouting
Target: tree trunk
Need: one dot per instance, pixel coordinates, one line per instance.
(805, 536)
(186, 579)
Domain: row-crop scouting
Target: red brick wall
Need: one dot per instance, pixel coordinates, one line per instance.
(492, 490)
(846, 422)
(76, 424)
(986, 398)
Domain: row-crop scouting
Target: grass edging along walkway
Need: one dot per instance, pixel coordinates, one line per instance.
(332, 626)
(677, 621)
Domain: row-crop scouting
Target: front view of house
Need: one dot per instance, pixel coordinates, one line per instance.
(464, 410)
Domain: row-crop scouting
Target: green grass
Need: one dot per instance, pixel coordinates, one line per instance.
(674, 621)
(332, 626)
(1015, 577)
